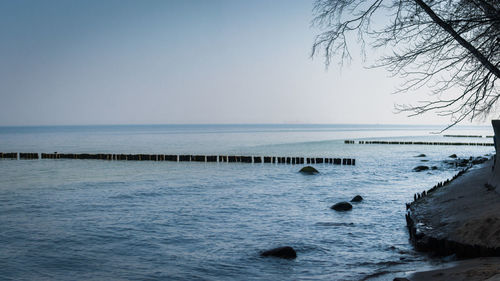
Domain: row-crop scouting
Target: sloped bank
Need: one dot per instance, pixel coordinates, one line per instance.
(461, 216)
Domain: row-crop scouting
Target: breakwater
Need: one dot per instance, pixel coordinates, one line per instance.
(418, 143)
(181, 158)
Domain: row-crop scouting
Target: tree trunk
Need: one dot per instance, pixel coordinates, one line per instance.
(495, 177)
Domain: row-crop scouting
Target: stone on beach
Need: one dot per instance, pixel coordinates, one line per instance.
(342, 206)
(421, 155)
(420, 168)
(453, 156)
(357, 198)
(308, 170)
(462, 163)
(479, 160)
(285, 252)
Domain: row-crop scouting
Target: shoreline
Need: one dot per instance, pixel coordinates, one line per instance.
(452, 217)
(460, 217)
(476, 269)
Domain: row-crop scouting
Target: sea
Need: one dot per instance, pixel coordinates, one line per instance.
(65, 219)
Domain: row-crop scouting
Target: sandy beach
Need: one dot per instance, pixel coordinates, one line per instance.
(461, 218)
(478, 269)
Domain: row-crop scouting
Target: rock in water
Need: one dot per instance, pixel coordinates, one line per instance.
(453, 156)
(400, 279)
(357, 198)
(462, 163)
(309, 170)
(479, 160)
(286, 252)
(342, 206)
(420, 168)
(420, 155)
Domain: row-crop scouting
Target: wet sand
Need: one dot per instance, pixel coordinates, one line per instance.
(477, 269)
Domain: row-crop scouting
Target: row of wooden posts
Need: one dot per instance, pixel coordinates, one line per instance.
(183, 158)
(419, 143)
(466, 136)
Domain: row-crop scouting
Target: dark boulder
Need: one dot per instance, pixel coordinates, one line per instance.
(308, 170)
(449, 162)
(286, 252)
(453, 156)
(434, 167)
(479, 160)
(421, 155)
(357, 198)
(462, 163)
(420, 168)
(400, 279)
(342, 206)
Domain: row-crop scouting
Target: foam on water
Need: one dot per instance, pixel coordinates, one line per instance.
(92, 219)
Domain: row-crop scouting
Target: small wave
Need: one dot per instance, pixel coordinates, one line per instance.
(330, 224)
(121, 196)
(138, 194)
(382, 263)
(376, 274)
(147, 194)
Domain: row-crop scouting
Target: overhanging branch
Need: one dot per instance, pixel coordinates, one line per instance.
(448, 28)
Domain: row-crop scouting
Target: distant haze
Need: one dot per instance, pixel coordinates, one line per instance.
(151, 62)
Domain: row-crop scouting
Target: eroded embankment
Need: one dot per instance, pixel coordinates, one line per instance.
(459, 216)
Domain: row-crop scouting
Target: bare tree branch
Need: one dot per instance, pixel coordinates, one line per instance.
(446, 45)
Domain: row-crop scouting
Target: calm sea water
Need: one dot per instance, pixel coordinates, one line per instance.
(126, 220)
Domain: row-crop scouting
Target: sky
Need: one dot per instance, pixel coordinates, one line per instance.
(68, 62)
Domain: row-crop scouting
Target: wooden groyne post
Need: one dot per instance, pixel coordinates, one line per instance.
(8, 155)
(29, 155)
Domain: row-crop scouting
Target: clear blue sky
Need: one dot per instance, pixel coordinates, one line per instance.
(154, 62)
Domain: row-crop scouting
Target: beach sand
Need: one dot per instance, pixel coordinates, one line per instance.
(477, 269)
(464, 212)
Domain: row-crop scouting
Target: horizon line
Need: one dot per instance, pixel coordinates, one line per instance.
(239, 124)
